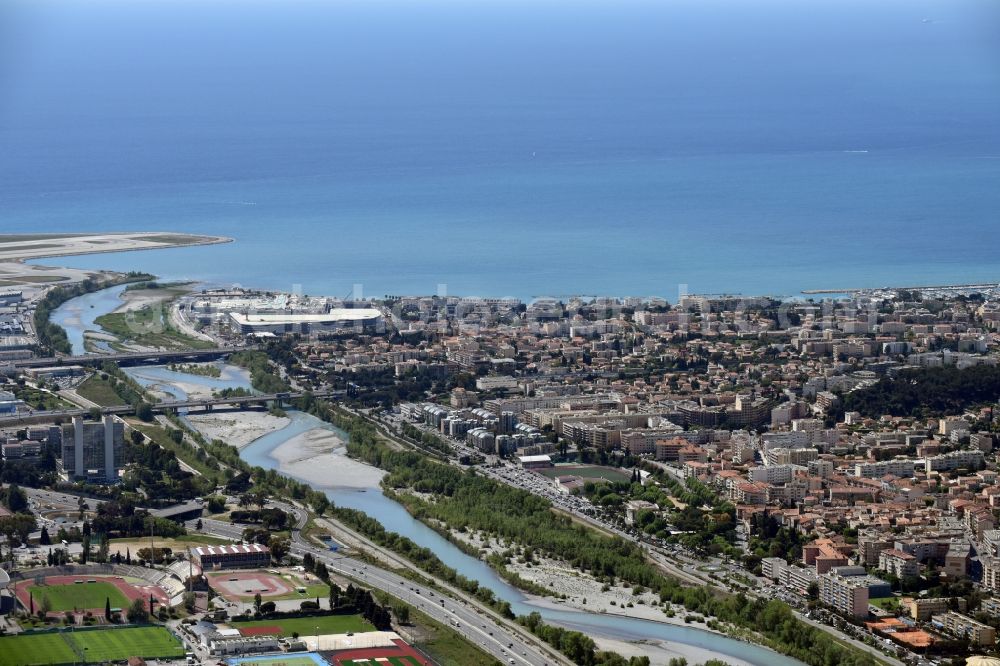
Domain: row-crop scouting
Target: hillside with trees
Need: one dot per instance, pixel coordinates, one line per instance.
(926, 392)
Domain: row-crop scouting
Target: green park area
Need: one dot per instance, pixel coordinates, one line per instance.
(89, 646)
(83, 595)
(317, 625)
(890, 604)
(98, 389)
(150, 326)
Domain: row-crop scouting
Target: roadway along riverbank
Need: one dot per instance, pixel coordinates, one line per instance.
(475, 624)
(677, 565)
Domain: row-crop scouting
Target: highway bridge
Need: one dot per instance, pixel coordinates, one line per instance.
(131, 358)
(208, 404)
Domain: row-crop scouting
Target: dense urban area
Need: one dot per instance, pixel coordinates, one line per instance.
(815, 475)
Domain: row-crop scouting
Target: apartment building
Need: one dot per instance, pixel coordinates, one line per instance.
(962, 625)
(786, 456)
(898, 563)
(93, 451)
(964, 459)
(846, 594)
(900, 467)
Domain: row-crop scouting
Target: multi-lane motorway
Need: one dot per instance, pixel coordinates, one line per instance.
(466, 617)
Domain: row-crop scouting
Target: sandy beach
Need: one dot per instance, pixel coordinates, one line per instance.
(237, 428)
(318, 457)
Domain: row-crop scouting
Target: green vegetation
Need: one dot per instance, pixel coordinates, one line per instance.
(465, 500)
(203, 369)
(312, 625)
(52, 337)
(926, 392)
(89, 646)
(157, 470)
(120, 644)
(79, 596)
(579, 647)
(177, 287)
(446, 646)
(890, 604)
(771, 539)
(39, 399)
(706, 521)
(419, 555)
(595, 472)
(210, 472)
(110, 386)
(98, 388)
(262, 374)
(425, 440)
(149, 326)
(35, 649)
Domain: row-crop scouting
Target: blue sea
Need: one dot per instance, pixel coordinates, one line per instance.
(513, 148)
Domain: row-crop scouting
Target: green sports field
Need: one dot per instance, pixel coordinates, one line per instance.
(82, 595)
(311, 626)
(28, 650)
(117, 644)
(97, 645)
(587, 472)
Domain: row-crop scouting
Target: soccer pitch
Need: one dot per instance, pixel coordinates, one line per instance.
(120, 644)
(82, 596)
(311, 626)
(95, 645)
(30, 650)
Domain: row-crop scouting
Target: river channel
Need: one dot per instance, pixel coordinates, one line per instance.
(394, 517)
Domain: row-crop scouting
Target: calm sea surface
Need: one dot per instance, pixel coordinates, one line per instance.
(513, 148)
